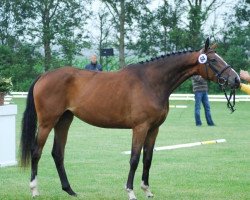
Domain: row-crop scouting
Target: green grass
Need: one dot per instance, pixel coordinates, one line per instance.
(97, 169)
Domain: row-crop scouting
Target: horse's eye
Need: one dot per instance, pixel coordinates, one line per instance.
(213, 60)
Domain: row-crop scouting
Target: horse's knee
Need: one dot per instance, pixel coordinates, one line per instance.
(58, 158)
(134, 161)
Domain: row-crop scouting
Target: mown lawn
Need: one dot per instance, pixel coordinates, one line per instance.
(97, 169)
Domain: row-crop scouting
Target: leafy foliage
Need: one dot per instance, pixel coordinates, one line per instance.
(37, 36)
(19, 64)
(234, 46)
(5, 85)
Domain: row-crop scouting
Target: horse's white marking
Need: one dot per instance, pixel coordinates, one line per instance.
(236, 73)
(221, 59)
(146, 189)
(227, 64)
(34, 188)
(131, 194)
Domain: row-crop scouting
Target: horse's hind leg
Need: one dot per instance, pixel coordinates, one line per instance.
(61, 133)
(43, 132)
(147, 159)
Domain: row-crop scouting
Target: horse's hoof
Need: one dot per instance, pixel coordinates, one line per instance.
(131, 194)
(35, 193)
(147, 191)
(150, 196)
(73, 194)
(70, 191)
(33, 188)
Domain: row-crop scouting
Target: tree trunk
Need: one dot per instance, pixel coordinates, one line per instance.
(122, 36)
(101, 38)
(47, 52)
(2, 94)
(46, 38)
(165, 29)
(195, 25)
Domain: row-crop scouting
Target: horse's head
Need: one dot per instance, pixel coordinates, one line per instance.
(214, 68)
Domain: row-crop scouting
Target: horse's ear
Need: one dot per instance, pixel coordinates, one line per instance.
(214, 46)
(207, 45)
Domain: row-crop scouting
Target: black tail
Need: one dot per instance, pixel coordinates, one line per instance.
(29, 127)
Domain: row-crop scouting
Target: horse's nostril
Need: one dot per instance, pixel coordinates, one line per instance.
(237, 82)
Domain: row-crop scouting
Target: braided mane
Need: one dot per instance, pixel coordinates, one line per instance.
(167, 55)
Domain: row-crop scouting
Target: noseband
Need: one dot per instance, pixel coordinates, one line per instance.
(222, 82)
(220, 79)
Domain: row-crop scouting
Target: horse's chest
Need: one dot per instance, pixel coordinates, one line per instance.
(157, 114)
(161, 116)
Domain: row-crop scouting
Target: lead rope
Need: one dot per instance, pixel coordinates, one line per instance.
(230, 104)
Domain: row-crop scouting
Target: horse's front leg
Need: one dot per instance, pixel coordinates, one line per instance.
(148, 149)
(139, 135)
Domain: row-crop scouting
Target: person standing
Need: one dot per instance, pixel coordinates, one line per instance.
(93, 65)
(200, 89)
(245, 76)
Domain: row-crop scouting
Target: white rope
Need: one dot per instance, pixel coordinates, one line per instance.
(178, 146)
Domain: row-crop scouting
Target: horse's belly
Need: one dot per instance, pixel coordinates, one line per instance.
(105, 123)
(102, 119)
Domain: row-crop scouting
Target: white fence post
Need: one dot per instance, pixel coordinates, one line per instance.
(8, 135)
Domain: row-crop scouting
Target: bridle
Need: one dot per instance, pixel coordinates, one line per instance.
(222, 82)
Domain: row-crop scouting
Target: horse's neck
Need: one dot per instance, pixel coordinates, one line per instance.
(165, 76)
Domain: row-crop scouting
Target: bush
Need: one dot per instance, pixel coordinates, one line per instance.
(5, 85)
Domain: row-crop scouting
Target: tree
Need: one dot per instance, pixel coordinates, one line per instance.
(8, 24)
(160, 29)
(173, 36)
(53, 22)
(148, 41)
(123, 13)
(17, 59)
(103, 36)
(21, 64)
(197, 15)
(235, 42)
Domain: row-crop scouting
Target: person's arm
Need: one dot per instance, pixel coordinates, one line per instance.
(245, 75)
(99, 67)
(196, 77)
(245, 88)
(87, 66)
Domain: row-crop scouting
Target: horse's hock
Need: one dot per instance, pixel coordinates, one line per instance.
(7, 135)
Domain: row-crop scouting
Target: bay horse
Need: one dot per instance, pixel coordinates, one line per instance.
(135, 97)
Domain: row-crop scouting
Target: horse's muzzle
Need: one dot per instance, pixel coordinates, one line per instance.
(237, 82)
(234, 82)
